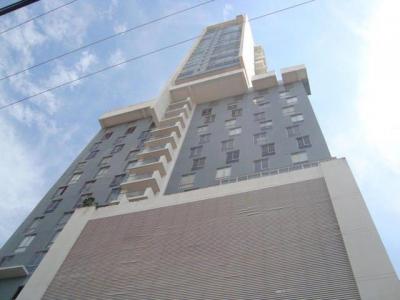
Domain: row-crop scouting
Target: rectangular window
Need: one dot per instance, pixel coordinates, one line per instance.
(260, 165)
(209, 119)
(297, 118)
(202, 129)
(114, 195)
(284, 94)
(299, 157)
(260, 116)
(75, 177)
(37, 259)
(304, 142)
(206, 112)
(60, 191)
(260, 138)
(80, 166)
(187, 181)
(117, 148)
(130, 130)
(236, 112)
(288, 110)
(105, 161)
(293, 130)
(132, 154)
(230, 123)
(204, 138)
(107, 135)
(5, 260)
(232, 106)
(265, 125)
(102, 171)
(52, 206)
(64, 219)
(198, 163)
(232, 156)
(117, 180)
(196, 151)
(223, 173)
(92, 154)
(53, 238)
(235, 131)
(34, 225)
(268, 149)
(95, 146)
(119, 140)
(144, 135)
(260, 101)
(25, 243)
(227, 145)
(82, 198)
(87, 186)
(291, 100)
(131, 164)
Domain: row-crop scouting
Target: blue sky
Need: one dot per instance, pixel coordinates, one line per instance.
(350, 49)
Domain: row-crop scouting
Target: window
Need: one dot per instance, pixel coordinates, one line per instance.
(265, 125)
(144, 135)
(303, 141)
(223, 173)
(284, 94)
(236, 112)
(92, 154)
(25, 243)
(107, 135)
(187, 181)
(119, 140)
(288, 110)
(209, 119)
(75, 177)
(204, 138)
(198, 163)
(87, 186)
(64, 219)
(227, 145)
(114, 195)
(291, 100)
(230, 123)
(60, 191)
(297, 118)
(132, 154)
(117, 180)
(152, 126)
(52, 206)
(202, 129)
(232, 106)
(260, 165)
(95, 146)
(260, 101)
(131, 164)
(206, 112)
(5, 259)
(293, 130)
(82, 198)
(80, 166)
(35, 223)
(130, 130)
(232, 156)
(259, 116)
(260, 138)
(299, 157)
(196, 151)
(268, 149)
(102, 171)
(235, 131)
(37, 258)
(53, 239)
(105, 161)
(117, 148)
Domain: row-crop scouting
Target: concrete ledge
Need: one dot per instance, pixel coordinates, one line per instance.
(13, 272)
(294, 74)
(264, 81)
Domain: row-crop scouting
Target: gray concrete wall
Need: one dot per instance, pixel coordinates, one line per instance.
(284, 145)
(48, 226)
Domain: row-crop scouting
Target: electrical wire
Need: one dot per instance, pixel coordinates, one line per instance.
(37, 17)
(105, 39)
(140, 56)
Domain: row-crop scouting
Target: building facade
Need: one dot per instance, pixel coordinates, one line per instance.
(222, 187)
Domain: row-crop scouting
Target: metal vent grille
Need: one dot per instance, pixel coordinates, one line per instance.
(278, 243)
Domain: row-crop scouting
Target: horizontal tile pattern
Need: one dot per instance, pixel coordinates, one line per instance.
(276, 243)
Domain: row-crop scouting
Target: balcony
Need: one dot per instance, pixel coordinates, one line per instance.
(295, 74)
(140, 182)
(176, 112)
(156, 152)
(264, 81)
(180, 104)
(166, 131)
(181, 118)
(150, 165)
(171, 139)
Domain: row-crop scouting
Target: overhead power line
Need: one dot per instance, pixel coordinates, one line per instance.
(37, 17)
(106, 38)
(139, 57)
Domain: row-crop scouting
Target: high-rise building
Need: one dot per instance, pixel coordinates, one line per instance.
(221, 188)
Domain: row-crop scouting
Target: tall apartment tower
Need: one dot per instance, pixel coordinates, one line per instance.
(222, 187)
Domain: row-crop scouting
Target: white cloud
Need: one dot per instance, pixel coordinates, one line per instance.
(227, 11)
(116, 57)
(120, 27)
